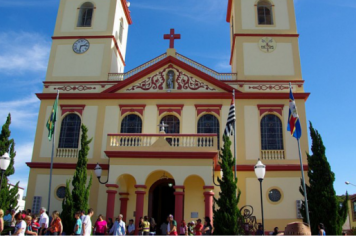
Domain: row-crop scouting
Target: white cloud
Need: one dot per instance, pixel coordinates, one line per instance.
(24, 112)
(22, 52)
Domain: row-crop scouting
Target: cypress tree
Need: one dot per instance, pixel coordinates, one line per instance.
(227, 219)
(8, 196)
(77, 199)
(324, 206)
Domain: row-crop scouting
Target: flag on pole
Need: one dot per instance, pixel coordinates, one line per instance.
(229, 129)
(293, 118)
(52, 119)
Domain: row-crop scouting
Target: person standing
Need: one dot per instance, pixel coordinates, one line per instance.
(275, 231)
(1, 220)
(163, 228)
(321, 229)
(44, 221)
(183, 229)
(87, 226)
(145, 226)
(78, 224)
(172, 226)
(208, 228)
(34, 224)
(191, 228)
(101, 226)
(20, 227)
(119, 227)
(56, 227)
(198, 228)
(29, 230)
(140, 229)
(259, 230)
(131, 227)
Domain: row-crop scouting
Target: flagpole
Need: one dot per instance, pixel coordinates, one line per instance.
(233, 97)
(51, 168)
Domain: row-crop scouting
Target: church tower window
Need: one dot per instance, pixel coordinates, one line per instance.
(209, 124)
(264, 13)
(121, 32)
(173, 124)
(85, 15)
(131, 124)
(70, 129)
(271, 133)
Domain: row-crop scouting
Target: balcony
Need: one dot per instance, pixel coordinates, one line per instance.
(162, 143)
(272, 155)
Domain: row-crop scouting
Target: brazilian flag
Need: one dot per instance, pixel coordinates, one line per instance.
(52, 119)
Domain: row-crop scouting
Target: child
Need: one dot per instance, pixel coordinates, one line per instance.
(35, 225)
(78, 225)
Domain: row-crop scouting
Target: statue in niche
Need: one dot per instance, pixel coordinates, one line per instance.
(170, 79)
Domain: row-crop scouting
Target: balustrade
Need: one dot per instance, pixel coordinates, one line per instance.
(272, 155)
(67, 152)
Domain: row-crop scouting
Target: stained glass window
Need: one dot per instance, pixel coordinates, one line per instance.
(209, 124)
(264, 11)
(271, 133)
(70, 129)
(131, 124)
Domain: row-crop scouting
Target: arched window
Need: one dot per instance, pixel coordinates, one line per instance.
(173, 124)
(70, 129)
(85, 15)
(131, 124)
(121, 32)
(265, 13)
(209, 124)
(271, 133)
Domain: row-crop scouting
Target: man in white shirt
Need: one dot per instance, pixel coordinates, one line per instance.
(87, 223)
(119, 227)
(44, 221)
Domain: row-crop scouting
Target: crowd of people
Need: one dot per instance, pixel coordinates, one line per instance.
(25, 223)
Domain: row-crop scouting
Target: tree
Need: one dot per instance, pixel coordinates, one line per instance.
(227, 219)
(77, 199)
(324, 206)
(8, 196)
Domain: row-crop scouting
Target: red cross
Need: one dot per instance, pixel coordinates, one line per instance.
(171, 36)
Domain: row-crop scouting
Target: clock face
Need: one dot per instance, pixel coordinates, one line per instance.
(81, 46)
(267, 44)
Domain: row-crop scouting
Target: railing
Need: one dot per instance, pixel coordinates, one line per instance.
(67, 152)
(174, 140)
(123, 76)
(206, 70)
(272, 154)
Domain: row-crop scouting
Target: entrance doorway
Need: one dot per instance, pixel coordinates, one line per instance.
(161, 200)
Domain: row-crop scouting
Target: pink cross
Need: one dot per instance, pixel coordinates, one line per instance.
(171, 36)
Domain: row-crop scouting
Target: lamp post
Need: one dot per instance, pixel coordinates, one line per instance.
(348, 183)
(4, 164)
(98, 170)
(260, 171)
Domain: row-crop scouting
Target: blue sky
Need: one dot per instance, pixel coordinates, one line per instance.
(327, 34)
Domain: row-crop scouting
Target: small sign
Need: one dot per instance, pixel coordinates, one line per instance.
(194, 215)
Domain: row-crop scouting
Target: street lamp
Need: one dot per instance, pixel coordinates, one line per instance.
(260, 171)
(98, 170)
(348, 183)
(4, 164)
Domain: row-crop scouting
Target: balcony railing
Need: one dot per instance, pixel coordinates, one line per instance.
(123, 76)
(171, 140)
(272, 154)
(67, 152)
(206, 70)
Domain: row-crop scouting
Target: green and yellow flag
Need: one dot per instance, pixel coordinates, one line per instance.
(52, 119)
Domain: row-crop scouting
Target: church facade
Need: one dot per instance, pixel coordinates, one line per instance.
(157, 129)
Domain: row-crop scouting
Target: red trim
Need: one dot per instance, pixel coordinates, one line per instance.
(132, 108)
(17, 186)
(111, 191)
(126, 11)
(112, 185)
(95, 96)
(161, 155)
(163, 63)
(72, 108)
(80, 82)
(140, 186)
(95, 37)
(287, 167)
(208, 187)
(264, 108)
(124, 194)
(228, 14)
(177, 108)
(179, 187)
(232, 49)
(45, 165)
(208, 108)
(164, 135)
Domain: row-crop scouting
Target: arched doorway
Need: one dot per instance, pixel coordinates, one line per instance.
(161, 200)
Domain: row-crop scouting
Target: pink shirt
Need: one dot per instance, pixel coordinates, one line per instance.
(100, 226)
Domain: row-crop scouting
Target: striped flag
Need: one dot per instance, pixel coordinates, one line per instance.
(229, 129)
(52, 119)
(293, 118)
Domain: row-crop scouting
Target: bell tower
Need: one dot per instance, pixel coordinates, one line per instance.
(264, 40)
(89, 40)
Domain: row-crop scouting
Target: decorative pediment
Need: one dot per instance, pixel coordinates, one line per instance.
(171, 79)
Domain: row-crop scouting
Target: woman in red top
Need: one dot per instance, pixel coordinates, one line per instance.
(101, 226)
(56, 227)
